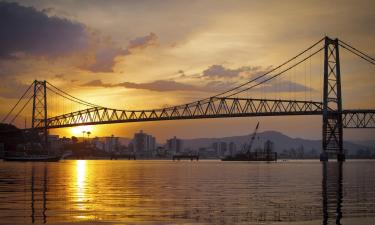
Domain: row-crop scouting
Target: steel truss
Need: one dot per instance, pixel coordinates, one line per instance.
(211, 108)
(358, 118)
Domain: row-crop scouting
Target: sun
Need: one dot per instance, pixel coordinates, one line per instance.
(77, 131)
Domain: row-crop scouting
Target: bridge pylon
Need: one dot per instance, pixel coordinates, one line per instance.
(39, 113)
(332, 103)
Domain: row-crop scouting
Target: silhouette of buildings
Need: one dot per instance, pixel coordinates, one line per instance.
(143, 144)
(174, 145)
(111, 144)
(220, 148)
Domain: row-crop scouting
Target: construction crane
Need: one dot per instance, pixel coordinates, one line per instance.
(252, 140)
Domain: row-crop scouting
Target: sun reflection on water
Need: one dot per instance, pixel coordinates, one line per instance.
(82, 197)
(81, 180)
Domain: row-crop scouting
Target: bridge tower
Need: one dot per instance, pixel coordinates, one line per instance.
(39, 114)
(332, 103)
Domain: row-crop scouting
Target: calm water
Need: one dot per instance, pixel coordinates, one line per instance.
(208, 192)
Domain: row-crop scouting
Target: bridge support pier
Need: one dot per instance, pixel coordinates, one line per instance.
(39, 113)
(323, 157)
(341, 157)
(332, 103)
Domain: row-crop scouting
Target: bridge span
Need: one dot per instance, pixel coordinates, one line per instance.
(227, 104)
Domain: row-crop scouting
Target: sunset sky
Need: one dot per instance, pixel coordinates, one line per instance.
(149, 54)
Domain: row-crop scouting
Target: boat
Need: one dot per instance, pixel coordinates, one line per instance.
(30, 152)
(265, 154)
(253, 156)
(32, 158)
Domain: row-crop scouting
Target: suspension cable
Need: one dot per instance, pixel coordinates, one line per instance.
(252, 80)
(19, 100)
(82, 103)
(272, 70)
(77, 100)
(80, 100)
(32, 96)
(357, 52)
(361, 52)
(278, 74)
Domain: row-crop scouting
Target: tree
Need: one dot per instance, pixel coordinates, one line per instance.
(83, 135)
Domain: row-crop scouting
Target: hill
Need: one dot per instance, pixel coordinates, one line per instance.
(280, 140)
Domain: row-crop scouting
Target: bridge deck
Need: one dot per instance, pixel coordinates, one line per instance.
(211, 108)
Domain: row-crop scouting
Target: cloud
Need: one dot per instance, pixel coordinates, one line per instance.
(219, 86)
(159, 85)
(96, 83)
(143, 41)
(105, 56)
(215, 86)
(24, 30)
(105, 59)
(219, 71)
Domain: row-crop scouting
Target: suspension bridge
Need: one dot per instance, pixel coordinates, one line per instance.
(238, 101)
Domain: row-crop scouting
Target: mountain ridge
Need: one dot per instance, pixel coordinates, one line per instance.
(280, 140)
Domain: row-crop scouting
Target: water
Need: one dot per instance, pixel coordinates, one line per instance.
(207, 192)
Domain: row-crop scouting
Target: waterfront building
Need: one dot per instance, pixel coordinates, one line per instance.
(220, 148)
(55, 143)
(144, 144)
(111, 144)
(174, 145)
(232, 148)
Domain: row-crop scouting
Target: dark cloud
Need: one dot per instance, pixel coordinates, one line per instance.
(105, 59)
(219, 71)
(25, 30)
(96, 83)
(166, 85)
(159, 85)
(105, 56)
(219, 86)
(144, 41)
(212, 86)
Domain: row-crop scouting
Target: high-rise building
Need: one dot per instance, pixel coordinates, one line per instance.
(232, 148)
(220, 147)
(174, 145)
(143, 143)
(223, 148)
(111, 144)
